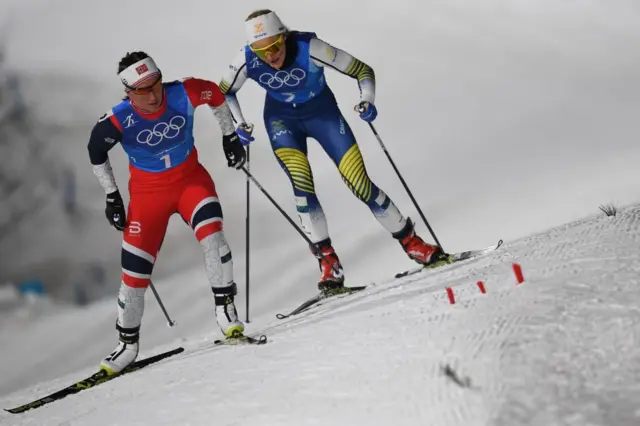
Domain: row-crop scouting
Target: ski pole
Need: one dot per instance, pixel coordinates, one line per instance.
(297, 228)
(415, 203)
(247, 238)
(170, 322)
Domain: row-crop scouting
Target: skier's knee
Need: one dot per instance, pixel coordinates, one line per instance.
(296, 164)
(137, 266)
(354, 174)
(206, 219)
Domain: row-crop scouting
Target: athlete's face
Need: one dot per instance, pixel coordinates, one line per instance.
(148, 97)
(272, 50)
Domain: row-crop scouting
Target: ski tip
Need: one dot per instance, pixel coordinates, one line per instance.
(21, 409)
(359, 288)
(171, 352)
(282, 316)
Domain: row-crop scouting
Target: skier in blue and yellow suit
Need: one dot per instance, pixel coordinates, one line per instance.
(289, 65)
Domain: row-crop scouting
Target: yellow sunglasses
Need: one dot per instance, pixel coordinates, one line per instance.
(274, 47)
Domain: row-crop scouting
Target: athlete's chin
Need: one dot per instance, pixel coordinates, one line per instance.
(153, 107)
(278, 63)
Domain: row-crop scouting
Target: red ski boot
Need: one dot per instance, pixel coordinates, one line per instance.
(418, 250)
(332, 277)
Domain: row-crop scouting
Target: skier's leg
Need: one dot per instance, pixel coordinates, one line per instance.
(147, 218)
(200, 207)
(289, 144)
(335, 136)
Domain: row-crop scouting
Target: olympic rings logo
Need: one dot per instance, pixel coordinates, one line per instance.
(161, 131)
(282, 78)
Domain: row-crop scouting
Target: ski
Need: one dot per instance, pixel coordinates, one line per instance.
(453, 258)
(237, 338)
(304, 306)
(92, 381)
(319, 297)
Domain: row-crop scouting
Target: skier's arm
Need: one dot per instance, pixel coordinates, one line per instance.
(205, 92)
(231, 82)
(105, 134)
(324, 54)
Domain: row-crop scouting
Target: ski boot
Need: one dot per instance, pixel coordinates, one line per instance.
(425, 254)
(125, 353)
(226, 313)
(332, 278)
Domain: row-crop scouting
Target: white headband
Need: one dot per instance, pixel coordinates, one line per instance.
(264, 26)
(140, 73)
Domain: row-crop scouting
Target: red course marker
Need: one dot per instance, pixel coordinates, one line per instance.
(518, 271)
(452, 299)
(481, 287)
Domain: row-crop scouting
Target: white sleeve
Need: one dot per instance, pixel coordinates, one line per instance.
(231, 82)
(225, 118)
(105, 176)
(324, 54)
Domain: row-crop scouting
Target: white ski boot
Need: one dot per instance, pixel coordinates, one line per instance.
(226, 313)
(123, 355)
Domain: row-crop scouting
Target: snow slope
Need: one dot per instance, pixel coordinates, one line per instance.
(559, 349)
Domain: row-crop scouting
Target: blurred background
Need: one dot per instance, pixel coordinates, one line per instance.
(40, 216)
(505, 118)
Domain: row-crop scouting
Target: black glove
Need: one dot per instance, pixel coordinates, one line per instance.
(233, 150)
(115, 211)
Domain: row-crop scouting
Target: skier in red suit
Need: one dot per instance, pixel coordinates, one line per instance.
(154, 125)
